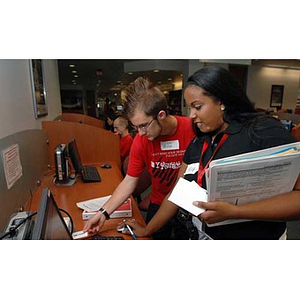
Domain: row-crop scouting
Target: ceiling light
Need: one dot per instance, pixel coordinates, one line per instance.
(74, 71)
(76, 75)
(155, 71)
(72, 66)
(283, 67)
(169, 79)
(130, 73)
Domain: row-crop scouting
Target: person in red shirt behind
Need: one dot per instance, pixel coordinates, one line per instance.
(121, 128)
(159, 145)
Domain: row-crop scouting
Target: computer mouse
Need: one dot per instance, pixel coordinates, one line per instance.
(106, 166)
(121, 228)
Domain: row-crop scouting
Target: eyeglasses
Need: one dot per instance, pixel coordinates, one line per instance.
(143, 127)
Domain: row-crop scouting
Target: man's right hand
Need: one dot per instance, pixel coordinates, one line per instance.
(94, 224)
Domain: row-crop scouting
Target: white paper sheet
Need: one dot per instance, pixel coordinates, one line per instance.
(185, 193)
(12, 165)
(93, 204)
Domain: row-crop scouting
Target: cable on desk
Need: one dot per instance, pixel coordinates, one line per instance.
(72, 224)
(12, 231)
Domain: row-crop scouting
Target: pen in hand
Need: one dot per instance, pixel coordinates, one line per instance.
(131, 232)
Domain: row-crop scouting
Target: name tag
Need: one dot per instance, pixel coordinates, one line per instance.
(192, 169)
(169, 145)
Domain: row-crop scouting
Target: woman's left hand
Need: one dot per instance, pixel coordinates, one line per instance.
(216, 211)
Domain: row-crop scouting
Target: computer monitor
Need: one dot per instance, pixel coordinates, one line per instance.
(75, 157)
(50, 224)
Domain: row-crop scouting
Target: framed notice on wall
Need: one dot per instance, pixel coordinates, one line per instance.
(38, 87)
(12, 165)
(276, 96)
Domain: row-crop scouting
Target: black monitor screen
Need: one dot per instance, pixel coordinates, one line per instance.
(75, 157)
(49, 224)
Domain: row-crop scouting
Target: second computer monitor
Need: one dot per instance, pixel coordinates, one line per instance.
(75, 156)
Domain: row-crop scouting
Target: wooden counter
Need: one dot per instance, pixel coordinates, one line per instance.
(66, 197)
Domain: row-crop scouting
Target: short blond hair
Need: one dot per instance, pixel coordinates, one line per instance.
(142, 95)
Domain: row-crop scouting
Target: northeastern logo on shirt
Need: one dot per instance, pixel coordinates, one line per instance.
(165, 172)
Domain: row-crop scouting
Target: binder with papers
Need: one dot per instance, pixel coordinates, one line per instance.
(252, 176)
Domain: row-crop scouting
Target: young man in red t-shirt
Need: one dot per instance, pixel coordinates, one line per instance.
(121, 128)
(159, 145)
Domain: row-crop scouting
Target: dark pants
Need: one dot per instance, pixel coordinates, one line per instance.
(173, 230)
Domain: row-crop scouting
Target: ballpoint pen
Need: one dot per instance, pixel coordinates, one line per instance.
(131, 232)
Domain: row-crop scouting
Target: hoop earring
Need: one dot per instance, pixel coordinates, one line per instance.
(222, 108)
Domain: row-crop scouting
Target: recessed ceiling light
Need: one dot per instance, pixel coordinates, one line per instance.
(169, 79)
(72, 66)
(76, 75)
(74, 71)
(155, 71)
(130, 73)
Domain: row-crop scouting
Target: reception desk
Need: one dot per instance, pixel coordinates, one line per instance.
(66, 197)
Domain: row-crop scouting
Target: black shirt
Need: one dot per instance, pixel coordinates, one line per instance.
(261, 134)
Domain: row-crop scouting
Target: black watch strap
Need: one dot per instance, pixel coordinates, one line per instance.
(104, 212)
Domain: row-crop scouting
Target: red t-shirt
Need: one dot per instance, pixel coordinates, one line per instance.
(163, 158)
(125, 145)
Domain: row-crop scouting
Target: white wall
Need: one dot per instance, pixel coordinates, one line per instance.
(17, 113)
(261, 79)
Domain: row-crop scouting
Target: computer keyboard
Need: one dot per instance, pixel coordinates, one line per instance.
(100, 237)
(90, 174)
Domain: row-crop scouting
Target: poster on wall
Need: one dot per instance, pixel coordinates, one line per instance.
(38, 87)
(12, 165)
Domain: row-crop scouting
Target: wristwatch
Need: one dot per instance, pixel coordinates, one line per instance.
(104, 212)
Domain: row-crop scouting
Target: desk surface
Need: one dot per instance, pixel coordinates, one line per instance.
(66, 198)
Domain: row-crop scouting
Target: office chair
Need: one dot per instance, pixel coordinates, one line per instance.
(143, 184)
